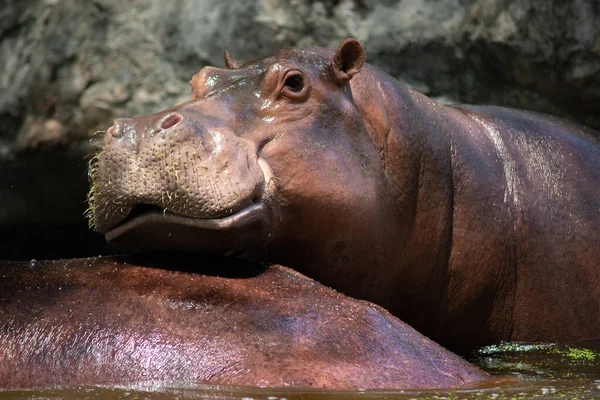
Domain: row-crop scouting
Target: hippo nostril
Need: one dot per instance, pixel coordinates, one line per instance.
(115, 132)
(171, 121)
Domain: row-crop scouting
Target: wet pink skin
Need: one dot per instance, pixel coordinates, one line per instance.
(474, 224)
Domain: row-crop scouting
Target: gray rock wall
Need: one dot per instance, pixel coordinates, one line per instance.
(68, 67)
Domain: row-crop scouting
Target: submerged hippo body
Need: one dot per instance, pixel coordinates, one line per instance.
(473, 224)
(113, 321)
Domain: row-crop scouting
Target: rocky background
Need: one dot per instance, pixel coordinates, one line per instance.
(68, 67)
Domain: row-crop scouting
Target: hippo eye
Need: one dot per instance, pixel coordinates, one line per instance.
(295, 83)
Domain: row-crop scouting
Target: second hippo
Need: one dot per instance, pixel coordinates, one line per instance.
(130, 321)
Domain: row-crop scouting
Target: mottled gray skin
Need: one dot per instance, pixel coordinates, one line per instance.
(473, 224)
(125, 321)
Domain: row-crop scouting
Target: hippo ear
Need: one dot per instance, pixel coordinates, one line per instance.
(230, 63)
(348, 60)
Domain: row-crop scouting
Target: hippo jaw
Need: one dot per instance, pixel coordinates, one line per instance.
(149, 227)
(151, 224)
(230, 235)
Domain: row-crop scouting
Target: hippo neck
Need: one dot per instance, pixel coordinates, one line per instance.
(417, 139)
(409, 129)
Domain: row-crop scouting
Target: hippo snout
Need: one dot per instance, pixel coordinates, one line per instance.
(181, 162)
(122, 125)
(119, 127)
(131, 131)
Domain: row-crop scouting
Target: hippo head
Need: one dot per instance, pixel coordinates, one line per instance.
(274, 157)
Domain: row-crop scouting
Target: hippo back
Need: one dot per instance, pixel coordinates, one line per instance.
(118, 321)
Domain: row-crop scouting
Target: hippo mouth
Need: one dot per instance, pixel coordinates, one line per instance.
(150, 228)
(243, 228)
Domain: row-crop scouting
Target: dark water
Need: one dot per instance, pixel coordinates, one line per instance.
(520, 372)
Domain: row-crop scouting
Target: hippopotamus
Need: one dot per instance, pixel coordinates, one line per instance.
(122, 320)
(474, 224)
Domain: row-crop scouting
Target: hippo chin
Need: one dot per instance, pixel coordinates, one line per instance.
(125, 321)
(473, 224)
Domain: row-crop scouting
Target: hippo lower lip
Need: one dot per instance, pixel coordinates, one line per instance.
(159, 231)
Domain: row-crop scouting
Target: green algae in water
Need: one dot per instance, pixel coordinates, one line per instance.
(583, 355)
(541, 361)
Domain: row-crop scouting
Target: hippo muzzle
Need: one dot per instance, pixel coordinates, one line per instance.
(178, 180)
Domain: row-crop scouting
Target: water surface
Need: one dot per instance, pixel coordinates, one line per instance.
(520, 372)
